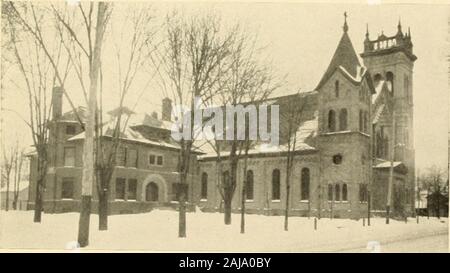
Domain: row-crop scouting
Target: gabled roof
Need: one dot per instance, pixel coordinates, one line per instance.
(345, 57)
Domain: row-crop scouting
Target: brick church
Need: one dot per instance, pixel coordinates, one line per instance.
(344, 146)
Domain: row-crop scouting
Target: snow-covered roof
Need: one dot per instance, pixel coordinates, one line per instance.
(387, 164)
(128, 134)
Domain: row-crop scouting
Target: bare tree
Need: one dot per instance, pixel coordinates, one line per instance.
(142, 37)
(292, 114)
(435, 181)
(6, 168)
(191, 58)
(39, 70)
(19, 158)
(249, 82)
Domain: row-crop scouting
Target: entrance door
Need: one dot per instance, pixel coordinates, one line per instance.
(151, 192)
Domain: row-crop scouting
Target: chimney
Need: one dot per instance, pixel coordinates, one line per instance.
(166, 109)
(154, 115)
(57, 96)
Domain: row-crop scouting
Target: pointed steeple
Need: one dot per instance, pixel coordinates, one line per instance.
(344, 56)
(399, 29)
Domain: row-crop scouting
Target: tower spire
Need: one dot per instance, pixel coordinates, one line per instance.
(399, 28)
(345, 22)
(367, 31)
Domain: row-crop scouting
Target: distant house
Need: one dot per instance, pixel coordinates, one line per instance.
(438, 204)
(23, 196)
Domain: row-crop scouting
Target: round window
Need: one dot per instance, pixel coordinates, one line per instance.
(337, 159)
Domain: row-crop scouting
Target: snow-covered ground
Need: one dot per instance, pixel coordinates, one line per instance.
(158, 230)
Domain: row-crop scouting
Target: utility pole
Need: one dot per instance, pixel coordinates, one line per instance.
(391, 168)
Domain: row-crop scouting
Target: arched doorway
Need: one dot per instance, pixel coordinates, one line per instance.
(152, 192)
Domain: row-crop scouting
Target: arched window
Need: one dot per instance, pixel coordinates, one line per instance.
(337, 192)
(361, 121)
(226, 177)
(377, 78)
(330, 192)
(344, 192)
(336, 89)
(331, 121)
(249, 185)
(151, 192)
(204, 191)
(276, 185)
(390, 80)
(305, 178)
(343, 120)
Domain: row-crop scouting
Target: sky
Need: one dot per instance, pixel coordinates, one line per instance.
(300, 39)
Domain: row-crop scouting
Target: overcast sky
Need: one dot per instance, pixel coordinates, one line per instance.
(300, 39)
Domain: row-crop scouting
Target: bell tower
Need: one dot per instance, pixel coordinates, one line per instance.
(391, 59)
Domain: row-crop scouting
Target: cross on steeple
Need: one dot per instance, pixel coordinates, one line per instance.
(345, 22)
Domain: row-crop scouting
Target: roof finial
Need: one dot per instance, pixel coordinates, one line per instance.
(399, 27)
(345, 22)
(367, 30)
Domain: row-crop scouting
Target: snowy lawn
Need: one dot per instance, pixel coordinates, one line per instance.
(158, 230)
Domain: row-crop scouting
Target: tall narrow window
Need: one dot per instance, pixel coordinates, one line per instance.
(344, 192)
(390, 81)
(330, 192)
(337, 193)
(69, 156)
(152, 159)
(159, 160)
(132, 158)
(204, 189)
(331, 121)
(343, 120)
(132, 189)
(249, 186)
(336, 89)
(276, 185)
(305, 178)
(120, 188)
(121, 156)
(67, 188)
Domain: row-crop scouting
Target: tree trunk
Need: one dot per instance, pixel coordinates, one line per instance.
(38, 201)
(88, 156)
(286, 212)
(7, 194)
(182, 217)
(85, 213)
(227, 209)
(103, 211)
(243, 204)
